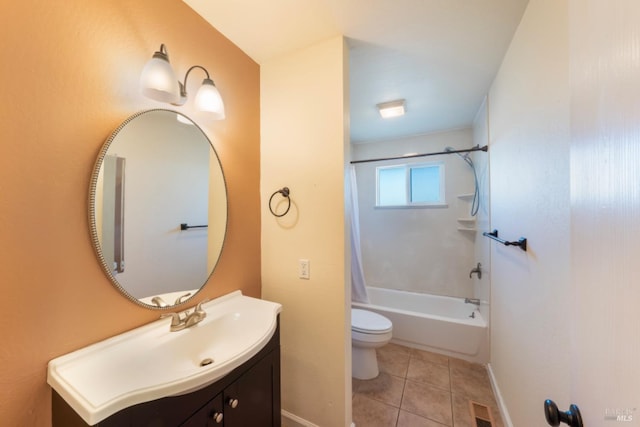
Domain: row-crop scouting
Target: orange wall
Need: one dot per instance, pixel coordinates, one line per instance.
(69, 76)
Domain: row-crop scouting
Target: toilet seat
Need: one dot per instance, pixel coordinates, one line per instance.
(368, 322)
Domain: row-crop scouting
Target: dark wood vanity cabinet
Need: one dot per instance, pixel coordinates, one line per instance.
(249, 396)
(248, 401)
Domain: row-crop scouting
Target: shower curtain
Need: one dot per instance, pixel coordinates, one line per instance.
(358, 286)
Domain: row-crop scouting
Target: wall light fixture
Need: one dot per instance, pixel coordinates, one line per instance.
(392, 108)
(158, 81)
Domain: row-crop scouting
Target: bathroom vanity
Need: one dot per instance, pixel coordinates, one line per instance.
(224, 370)
(214, 363)
(248, 396)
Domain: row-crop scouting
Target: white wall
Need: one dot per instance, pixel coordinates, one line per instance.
(303, 146)
(417, 249)
(529, 149)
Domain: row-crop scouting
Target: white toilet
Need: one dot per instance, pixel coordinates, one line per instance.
(369, 331)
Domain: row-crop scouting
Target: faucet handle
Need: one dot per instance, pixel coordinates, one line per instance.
(181, 298)
(199, 306)
(477, 270)
(158, 301)
(175, 318)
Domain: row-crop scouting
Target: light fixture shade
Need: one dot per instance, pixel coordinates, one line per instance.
(158, 80)
(391, 109)
(208, 99)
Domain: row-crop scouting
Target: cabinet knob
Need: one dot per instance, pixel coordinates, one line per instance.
(217, 417)
(232, 402)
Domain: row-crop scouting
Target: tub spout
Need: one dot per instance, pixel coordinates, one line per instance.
(474, 301)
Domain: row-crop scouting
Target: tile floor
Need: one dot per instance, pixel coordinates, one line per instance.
(421, 389)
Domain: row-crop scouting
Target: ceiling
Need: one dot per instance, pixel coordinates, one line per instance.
(439, 55)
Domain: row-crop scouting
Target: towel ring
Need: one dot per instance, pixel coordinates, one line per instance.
(285, 193)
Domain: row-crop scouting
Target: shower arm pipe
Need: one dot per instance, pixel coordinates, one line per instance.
(410, 156)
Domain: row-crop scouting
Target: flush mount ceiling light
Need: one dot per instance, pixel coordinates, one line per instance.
(159, 82)
(391, 109)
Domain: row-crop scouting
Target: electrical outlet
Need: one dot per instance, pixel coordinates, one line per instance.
(303, 269)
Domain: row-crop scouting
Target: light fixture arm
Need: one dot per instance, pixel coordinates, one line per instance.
(163, 53)
(183, 86)
(157, 81)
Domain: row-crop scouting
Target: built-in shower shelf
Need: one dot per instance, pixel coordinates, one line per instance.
(465, 196)
(467, 229)
(467, 220)
(467, 224)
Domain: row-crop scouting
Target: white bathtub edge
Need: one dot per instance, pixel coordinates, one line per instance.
(506, 418)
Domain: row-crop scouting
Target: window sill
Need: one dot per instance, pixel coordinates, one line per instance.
(416, 206)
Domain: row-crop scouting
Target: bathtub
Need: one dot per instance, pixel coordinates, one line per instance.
(433, 323)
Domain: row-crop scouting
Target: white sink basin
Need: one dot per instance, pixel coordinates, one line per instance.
(150, 362)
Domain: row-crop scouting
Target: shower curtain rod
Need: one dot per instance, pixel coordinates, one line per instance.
(409, 156)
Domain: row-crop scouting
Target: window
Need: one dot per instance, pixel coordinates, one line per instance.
(410, 185)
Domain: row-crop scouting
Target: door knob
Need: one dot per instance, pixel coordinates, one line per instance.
(232, 402)
(554, 416)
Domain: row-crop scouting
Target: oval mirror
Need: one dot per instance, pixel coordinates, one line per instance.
(158, 208)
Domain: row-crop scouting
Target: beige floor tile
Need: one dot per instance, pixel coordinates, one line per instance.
(431, 357)
(428, 372)
(407, 419)
(393, 362)
(463, 364)
(427, 401)
(371, 413)
(396, 348)
(472, 381)
(436, 393)
(385, 388)
(497, 418)
(461, 411)
(355, 383)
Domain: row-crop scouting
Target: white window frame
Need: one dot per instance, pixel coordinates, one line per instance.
(441, 203)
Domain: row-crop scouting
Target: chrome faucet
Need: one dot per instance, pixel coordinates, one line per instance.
(474, 301)
(183, 320)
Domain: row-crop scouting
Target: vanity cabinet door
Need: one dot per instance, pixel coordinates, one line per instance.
(249, 401)
(209, 416)
(252, 400)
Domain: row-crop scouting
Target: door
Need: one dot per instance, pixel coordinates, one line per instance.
(605, 210)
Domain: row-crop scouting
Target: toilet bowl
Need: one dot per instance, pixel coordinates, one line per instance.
(369, 331)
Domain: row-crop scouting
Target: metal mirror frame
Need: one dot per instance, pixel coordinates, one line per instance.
(92, 208)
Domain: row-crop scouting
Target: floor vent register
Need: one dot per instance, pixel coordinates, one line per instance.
(480, 414)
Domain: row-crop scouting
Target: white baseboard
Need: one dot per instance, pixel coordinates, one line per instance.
(295, 421)
(501, 405)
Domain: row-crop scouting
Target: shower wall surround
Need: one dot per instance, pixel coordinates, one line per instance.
(418, 249)
(482, 250)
